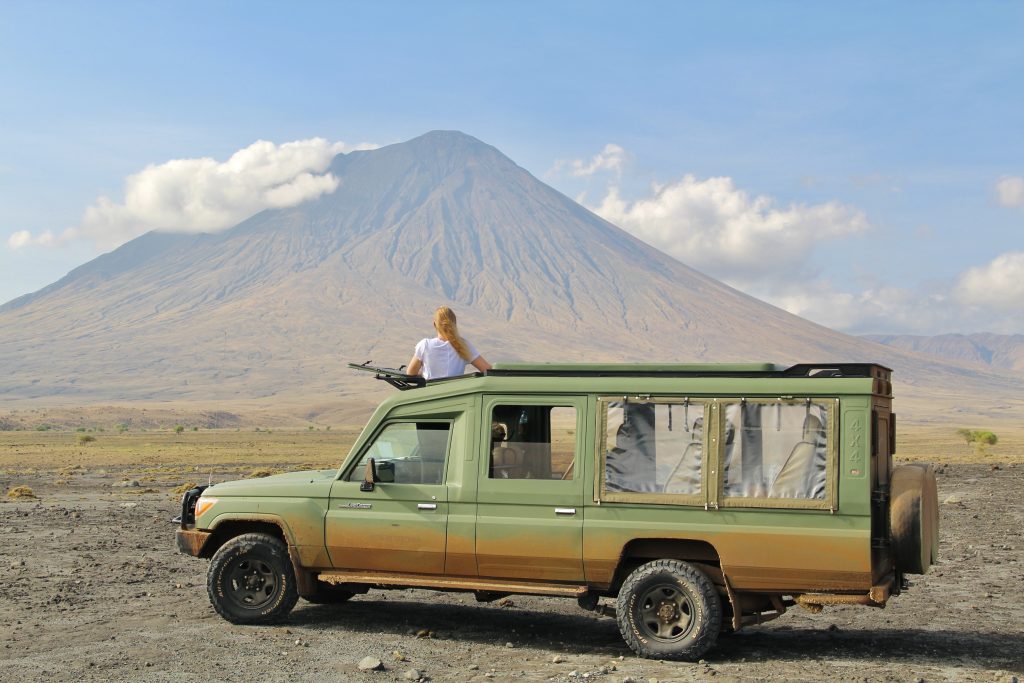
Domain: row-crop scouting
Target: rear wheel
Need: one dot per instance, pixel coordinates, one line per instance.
(669, 609)
(251, 580)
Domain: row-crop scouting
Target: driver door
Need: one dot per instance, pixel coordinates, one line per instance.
(401, 525)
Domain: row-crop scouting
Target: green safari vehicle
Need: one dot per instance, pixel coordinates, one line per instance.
(695, 499)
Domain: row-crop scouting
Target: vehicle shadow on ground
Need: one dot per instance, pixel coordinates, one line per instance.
(585, 633)
(485, 623)
(941, 647)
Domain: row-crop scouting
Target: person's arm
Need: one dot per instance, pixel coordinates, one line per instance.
(415, 366)
(481, 364)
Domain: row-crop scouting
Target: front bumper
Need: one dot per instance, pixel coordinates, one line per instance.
(192, 541)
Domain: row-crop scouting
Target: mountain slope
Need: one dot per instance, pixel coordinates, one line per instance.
(276, 305)
(1003, 351)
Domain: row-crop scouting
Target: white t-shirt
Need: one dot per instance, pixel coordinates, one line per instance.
(440, 359)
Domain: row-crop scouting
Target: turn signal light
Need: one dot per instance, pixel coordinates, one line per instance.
(204, 504)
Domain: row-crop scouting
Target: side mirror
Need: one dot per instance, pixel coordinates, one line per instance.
(370, 476)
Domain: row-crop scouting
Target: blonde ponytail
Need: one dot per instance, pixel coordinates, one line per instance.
(444, 322)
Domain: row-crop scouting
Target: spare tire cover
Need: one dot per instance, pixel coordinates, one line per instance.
(914, 517)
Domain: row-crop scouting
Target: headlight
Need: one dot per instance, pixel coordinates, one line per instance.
(204, 504)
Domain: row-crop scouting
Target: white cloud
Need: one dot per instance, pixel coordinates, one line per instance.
(721, 230)
(612, 158)
(998, 286)
(204, 195)
(766, 248)
(1010, 191)
(24, 238)
(878, 309)
(19, 239)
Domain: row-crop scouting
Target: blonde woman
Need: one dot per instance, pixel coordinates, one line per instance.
(447, 354)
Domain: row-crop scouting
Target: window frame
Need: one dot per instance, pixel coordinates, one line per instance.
(829, 502)
(712, 477)
(602, 495)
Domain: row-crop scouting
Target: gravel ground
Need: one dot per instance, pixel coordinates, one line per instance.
(92, 589)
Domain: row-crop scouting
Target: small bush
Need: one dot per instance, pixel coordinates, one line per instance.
(22, 492)
(264, 472)
(43, 428)
(178, 429)
(86, 438)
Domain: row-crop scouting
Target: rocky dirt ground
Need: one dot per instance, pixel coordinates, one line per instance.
(92, 589)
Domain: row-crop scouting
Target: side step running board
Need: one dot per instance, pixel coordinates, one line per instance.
(468, 583)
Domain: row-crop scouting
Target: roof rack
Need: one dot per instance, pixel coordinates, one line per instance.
(402, 381)
(687, 370)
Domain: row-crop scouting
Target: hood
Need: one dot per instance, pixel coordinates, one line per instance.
(287, 484)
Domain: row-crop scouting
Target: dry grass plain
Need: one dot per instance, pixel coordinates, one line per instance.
(325, 447)
(92, 588)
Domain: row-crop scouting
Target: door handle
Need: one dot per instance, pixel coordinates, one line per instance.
(565, 511)
(426, 506)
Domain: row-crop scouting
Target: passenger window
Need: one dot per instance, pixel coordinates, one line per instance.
(654, 447)
(776, 450)
(407, 453)
(532, 442)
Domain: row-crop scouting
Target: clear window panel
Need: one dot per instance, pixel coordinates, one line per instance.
(654, 447)
(407, 453)
(776, 450)
(533, 442)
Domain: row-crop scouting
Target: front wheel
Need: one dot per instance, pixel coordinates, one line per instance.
(669, 609)
(251, 580)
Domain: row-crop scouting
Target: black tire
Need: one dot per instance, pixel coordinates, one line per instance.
(251, 580)
(669, 609)
(328, 594)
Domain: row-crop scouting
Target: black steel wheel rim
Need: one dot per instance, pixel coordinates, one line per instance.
(665, 612)
(251, 583)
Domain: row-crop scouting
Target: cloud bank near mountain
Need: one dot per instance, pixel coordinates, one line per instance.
(767, 249)
(723, 231)
(205, 195)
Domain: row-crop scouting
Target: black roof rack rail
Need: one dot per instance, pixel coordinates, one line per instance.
(852, 370)
(834, 370)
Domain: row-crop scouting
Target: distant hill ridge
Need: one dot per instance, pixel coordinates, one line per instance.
(1004, 351)
(275, 306)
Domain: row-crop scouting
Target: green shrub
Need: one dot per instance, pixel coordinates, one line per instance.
(979, 437)
(86, 438)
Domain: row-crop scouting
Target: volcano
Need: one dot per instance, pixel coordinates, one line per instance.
(277, 305)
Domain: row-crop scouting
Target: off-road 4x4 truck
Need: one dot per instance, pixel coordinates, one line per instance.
(700, 498)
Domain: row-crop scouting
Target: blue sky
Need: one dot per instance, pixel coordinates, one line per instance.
(859, 164)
